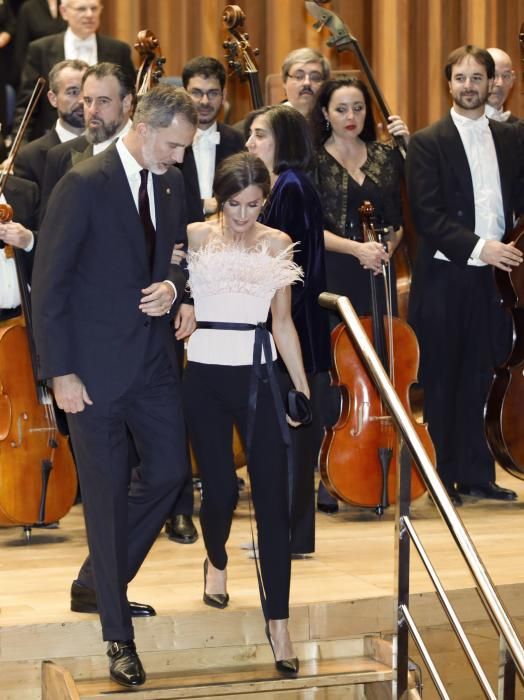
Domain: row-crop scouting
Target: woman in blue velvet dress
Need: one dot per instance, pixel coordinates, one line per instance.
(279, 135)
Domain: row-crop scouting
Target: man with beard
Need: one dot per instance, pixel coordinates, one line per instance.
(502, 85)
(65, 85)
(303, 72)
(104, 291)
(464, 177)
(108, 95)
(80, 40)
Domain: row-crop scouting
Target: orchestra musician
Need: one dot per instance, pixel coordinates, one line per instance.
(502, 86)
(104, 292)
(464, 177)
(352, 166)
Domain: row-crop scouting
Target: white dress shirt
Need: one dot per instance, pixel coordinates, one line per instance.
(480, 150)
(83, 49)
(204, 149)
(497, 114)
(64, 134)
(9, 289)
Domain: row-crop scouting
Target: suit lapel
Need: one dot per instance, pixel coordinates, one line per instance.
(163, 199)
(504, 160)
(455, 155)
(79, 156)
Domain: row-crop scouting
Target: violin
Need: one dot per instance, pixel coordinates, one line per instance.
(240, 56)
(360, 454)
(152, 62)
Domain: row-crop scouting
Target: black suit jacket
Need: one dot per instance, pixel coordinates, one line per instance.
(31, 158)
(59, 160)
(440, 193)
(90, 267)
(42, 55)
(230, 142)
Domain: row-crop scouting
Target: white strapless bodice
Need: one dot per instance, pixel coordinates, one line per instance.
(232, 284)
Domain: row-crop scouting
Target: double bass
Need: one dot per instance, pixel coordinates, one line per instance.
(360, 454)
(38, 482)
(240, 56)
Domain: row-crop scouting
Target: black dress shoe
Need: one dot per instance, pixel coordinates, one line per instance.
(490, 490)
(215, 600)
(180, 528)
(328, 508)
(124, 665)
(83, 600)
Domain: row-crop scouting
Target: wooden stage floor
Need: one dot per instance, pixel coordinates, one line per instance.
(353, 561)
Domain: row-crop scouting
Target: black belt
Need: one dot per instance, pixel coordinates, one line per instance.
(6, 314)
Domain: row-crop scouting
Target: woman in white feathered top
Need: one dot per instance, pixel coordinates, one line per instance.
(239, 270)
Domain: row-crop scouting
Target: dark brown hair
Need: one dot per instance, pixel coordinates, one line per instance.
(236, 173)
(481, 56)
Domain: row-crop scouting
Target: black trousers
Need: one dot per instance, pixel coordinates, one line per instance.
(463, 334)
(122, 523)
(215, 397)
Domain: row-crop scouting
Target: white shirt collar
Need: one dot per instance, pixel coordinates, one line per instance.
(466, 123)
(497, 114)
(210, 135)
(64, 134)
(131, 166)
(84, 49)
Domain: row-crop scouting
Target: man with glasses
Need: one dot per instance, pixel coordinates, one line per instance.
(79, 41)
(204, 78)
(303, 72)
(502, 86)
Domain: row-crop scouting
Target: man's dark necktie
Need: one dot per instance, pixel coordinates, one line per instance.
(145, 217)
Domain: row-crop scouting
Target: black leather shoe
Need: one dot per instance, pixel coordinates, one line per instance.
(83, 600)
(215, 600)
(181, 529)
(490, 490)
(328, 508)
(124, 665)
(287, 666)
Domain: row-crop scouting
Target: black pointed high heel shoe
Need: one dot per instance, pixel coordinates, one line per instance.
(215, 600)
(287, 666)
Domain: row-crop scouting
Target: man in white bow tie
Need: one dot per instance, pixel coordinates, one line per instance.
(463, 176)
(502, 86)
(204, 78)
(80, 41)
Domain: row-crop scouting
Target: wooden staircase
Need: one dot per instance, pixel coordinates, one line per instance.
(350, 669)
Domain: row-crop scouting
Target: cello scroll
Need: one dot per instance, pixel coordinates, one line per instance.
(240, 56)
(152, 66)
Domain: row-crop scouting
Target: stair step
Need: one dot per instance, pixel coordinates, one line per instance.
(220, 682)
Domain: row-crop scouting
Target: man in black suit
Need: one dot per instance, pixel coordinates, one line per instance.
(204, 78)
(464, 177)
(65, 85)
(108, 96)
(81, 41)
(103, 297)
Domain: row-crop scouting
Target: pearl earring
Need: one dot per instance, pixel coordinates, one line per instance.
(328, 125)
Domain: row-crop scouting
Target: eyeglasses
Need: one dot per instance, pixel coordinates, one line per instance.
(210, 94)
(301, 75)
(84, 9)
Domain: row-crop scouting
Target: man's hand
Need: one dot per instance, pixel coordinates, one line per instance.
(502, 255)
(178, 254)
(16, 235)
(70, 393)
(158, 299)
(185, 322)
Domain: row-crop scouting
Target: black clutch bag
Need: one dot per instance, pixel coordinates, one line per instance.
(299, 407)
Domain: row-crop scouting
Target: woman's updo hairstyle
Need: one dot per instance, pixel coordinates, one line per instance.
(236, 173)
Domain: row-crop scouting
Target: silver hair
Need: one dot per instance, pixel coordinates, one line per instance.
(158, 107)
(305, 55)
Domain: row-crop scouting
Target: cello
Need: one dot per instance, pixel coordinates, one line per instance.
(240, 56)
(38, 482)
(360, 454)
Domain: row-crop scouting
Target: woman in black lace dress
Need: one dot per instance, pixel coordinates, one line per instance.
(352, 166)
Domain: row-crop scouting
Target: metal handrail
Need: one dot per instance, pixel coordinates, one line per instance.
(485, 586)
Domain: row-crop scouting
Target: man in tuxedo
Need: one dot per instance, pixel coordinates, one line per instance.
(502, 85)
(104, 292)
(81, 41)
(204, 78)
(22, 195)
(65, 85)
(464, 177)
(108, 96)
